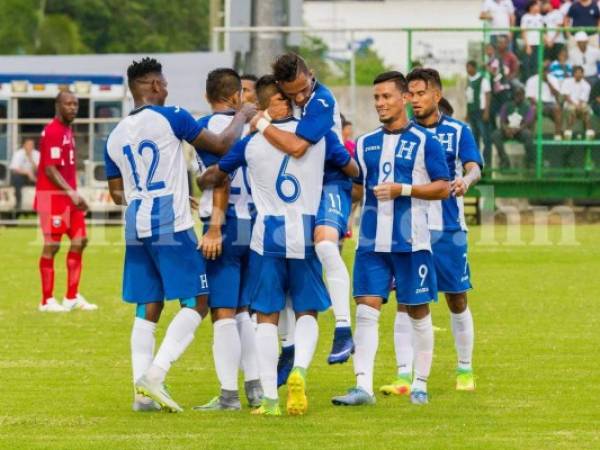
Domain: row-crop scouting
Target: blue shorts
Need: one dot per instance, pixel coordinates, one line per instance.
(273, 277)
(164, 266)
(335, 207)
(414, 274)
(450, 258)
(227, 274)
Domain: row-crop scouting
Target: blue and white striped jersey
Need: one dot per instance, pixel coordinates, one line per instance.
(240, 198)
(412, 156)
(320, 115)
(460, 148)
(146, 150)
(286, 190)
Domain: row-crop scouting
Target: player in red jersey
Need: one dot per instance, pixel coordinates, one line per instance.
(61, 209)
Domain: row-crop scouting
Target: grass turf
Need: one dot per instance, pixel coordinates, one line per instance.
(65, 380)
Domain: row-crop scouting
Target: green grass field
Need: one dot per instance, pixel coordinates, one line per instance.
(65, 380)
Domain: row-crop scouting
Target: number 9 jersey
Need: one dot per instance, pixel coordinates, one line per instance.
(146, 150)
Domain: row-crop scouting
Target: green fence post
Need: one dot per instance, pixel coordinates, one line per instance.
(539, 106)
(409, 50)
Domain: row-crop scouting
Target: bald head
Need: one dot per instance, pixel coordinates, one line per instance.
(66, 106)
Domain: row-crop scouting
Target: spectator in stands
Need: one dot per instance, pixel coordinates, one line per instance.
(583, 13)
(595, 98)
(479, 98)
(576, 93)
(550, 97)
(586, 56)
(516, 123)
(520, 10)
(500, 80)
(561, 68)
(249, 88)
(530, 22)
(23, 169)
(508, 59)
(348, 135)
(554, 17)
(498, 14)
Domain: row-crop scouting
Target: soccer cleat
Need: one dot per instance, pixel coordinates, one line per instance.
(400, 386)
(143, 406)
(268, 407)
(51, 305)
(355, 397)
(465, 380)
(157, 392)
(419, 398)
(254, 393)
(343, 346)
(590, 134)
(285, 364)
(297, 403)
(78, 302)
(220, 404)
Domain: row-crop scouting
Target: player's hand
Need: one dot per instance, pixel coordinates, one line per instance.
(211, 243)
(458, 187)
(259, 115)
(387, 191)
(78, 200)
(249, 110)
(279, 109)
(194, 203)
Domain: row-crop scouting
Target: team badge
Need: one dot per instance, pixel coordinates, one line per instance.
(54, 152)
(56, 221)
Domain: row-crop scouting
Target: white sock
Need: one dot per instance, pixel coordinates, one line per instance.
(142, 350)
(366, 340)
(403, 343)
(179, 335)
(287, 324)
(423, 342)
(227, 351)
(254, 318)
(307, 335)
(462, 329)
(268, 354)
(338, 281)
(247, 334)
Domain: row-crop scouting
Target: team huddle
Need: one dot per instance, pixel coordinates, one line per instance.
(277, 191)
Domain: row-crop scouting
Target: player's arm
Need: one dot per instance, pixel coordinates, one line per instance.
(57, 179)
(211, 243)
(286, 141)
(357, 192)
(216, 175)
(336, 154)
(220, 143)
(115, 188)
(469, 154)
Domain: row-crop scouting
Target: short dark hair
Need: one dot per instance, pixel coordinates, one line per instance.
(472, 63)
(287, 67)
(62, 92)
(141, 68)
(431, 77)
(530, 5)
(445, 107)
(222, 83)
(266, 87)
(576, 68)
(393, 75)
(249, 76)
(345, 121)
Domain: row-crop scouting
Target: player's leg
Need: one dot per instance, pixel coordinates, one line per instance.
(309, 296)
(286, 329)
(464, 336)
(403, 347)
(268, 349)
(331, 226)
(249, 360)
(372, 279)
(52, 230)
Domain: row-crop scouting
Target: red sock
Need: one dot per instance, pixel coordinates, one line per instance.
(47, 275)
(74, 273)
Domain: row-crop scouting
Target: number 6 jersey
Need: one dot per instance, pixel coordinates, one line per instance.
(146, 150)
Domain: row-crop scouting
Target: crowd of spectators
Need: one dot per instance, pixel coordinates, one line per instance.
(503, 91)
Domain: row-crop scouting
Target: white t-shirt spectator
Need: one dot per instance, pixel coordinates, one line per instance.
(531, 89)
(501, 11)
(577, 91)
(564, 8)
(555, 19)
(20, 161)
(532, 21)
(588, 60)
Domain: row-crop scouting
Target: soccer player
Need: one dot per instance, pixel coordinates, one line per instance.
(146, 171)
(448, 231)
(249, 88)
(61, 209)
(227, 214)
(287, 192)
(318, 113)
(402, 168)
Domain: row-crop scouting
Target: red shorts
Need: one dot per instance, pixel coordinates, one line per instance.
(71, 221)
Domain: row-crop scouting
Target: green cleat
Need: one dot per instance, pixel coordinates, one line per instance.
(400, 386)
(157, 392)
(465, 380)
(268, 407)
(297, 403)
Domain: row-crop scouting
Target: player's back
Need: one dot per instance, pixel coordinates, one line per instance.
(147, 149)
(286, 192)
